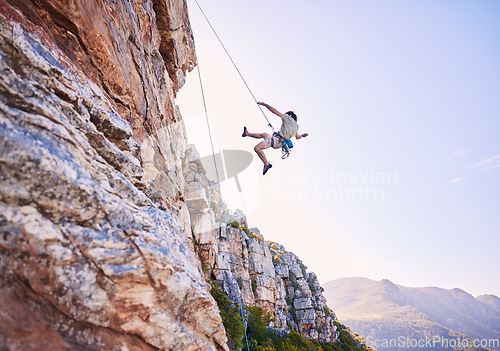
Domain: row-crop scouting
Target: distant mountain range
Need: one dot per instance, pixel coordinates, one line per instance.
(395, 317)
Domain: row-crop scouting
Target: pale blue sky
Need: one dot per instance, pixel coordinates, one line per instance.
(399, 178)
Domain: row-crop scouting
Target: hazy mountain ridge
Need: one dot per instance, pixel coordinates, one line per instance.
(382, 309)
(491, 300)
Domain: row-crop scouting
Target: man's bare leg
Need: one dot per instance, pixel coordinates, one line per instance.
(257, 135)
(259, 149)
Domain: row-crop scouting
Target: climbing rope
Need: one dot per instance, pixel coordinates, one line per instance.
(234, 64)
(240, 300)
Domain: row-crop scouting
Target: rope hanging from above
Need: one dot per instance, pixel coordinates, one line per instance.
(234, 64)
(239, 297)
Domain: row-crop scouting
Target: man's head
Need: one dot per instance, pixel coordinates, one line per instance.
(292, 114)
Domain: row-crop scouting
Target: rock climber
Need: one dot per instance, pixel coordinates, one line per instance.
(289, 128)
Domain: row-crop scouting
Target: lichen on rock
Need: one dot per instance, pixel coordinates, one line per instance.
(93, 246)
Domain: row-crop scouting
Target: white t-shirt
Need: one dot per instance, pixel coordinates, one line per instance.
(288, 127)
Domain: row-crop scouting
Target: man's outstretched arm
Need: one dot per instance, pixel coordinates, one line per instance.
(300, 136)
(270, 108)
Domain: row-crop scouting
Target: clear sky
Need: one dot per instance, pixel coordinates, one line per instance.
(399, 178)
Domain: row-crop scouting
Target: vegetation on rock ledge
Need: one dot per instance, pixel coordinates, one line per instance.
(237, 225)
(261, 338)
(229, 314)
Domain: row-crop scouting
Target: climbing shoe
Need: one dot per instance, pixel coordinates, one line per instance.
(244, 132)
(266, 168)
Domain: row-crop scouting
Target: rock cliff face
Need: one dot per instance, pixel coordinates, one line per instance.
(93, 244)
(108, 224)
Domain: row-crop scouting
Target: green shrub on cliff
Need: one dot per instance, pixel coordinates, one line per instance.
(237, 225)
(296, 342)
(254, 286)
(257, 321)
(328, 312)
(347, 341)
(277, 259)
(229, 314)
(293, 280)
(260, 338)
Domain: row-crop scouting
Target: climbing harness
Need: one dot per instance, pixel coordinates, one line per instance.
(286, 145)
(285, 149)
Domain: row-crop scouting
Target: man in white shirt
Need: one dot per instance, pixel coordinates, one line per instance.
(289, 128)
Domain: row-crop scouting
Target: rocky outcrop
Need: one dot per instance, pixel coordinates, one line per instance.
(306, 307)
(263, 273)
(93, 233)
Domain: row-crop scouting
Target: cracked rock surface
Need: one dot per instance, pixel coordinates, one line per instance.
(94, 249)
